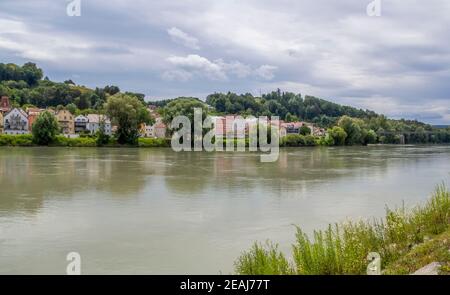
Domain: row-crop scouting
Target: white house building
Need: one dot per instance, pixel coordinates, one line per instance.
(93, 124)
(15, 122)
(148, 130)
(80, 123)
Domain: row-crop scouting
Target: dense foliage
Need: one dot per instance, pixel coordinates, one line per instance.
(26, 87)
(288, 106)
(16, 140)
(27, 75)
(128, 113)
(45, 128)
(184, 106)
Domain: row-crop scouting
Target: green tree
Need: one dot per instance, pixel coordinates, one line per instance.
(111, 89)
(338, 135)
(128, 113)
(371, 137)
(31, 73)
(352, 128)
(183, 106)
(45, 128)
(102, 136)
(305, 130)
(71, 107)
(291, 118)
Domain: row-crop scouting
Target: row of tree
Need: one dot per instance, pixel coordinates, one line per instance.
(26, 86)
(366, 128)
(286, 105)
(125, 111)
(29, 73)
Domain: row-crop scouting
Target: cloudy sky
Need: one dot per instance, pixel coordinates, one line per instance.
(397, 63)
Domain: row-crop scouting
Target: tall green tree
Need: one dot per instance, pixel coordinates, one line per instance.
(305, 130)
(128, 113)
(338, 135)
(353, 129)
(102, 136)
(183, 106)
(45, 128)
(72, 108)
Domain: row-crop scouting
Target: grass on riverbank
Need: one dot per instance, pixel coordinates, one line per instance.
(435, 249)
(82, 141)
(16, 140)
(343, 248)
(153, 142)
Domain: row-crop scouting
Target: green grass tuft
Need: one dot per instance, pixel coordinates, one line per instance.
(343, 248)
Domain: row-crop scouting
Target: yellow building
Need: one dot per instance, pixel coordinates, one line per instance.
(1, 122)
(66, 121)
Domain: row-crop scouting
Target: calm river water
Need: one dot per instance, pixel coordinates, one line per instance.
(154, 211)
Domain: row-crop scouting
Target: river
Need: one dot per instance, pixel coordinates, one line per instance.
(155, 211)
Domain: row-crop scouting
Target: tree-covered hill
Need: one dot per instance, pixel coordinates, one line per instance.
(287, 105)
(27, 85)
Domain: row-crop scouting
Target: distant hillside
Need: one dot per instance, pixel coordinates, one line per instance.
(26, 85)
(287, 105)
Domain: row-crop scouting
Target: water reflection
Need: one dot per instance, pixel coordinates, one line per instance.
(156, 211)
(30, 175)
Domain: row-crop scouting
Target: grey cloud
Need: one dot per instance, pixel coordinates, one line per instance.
(399, 61)
(179, 36)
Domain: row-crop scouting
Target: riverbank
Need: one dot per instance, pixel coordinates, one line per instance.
(405, 240)
(89, 141)
(203, 208)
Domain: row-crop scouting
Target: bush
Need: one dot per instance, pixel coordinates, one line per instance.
(305, 130)
(338, 135)
(101, 137)
(291, 140)
(75, 142)
(296, 140)
(153, 142)
(326, 140)
(263, 260)
(309, 140)
(16, 140)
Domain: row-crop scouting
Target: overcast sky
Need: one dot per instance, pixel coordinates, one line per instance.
(397, 64)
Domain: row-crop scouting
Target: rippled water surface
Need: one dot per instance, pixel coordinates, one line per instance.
(154, 211)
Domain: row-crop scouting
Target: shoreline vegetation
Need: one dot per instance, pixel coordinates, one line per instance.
(406, 240)
(130, 117)
(27, 140)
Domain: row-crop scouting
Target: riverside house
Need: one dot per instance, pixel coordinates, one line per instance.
(66, 122)
(81, 124)
(147, 130)
(15, 122)
(5, 105)
(33, 113)
(157, 130)
(1, 122)
(225, 125)
(294, 128)
(93, 124)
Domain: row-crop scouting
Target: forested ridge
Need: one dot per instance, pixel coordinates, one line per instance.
(27, 85)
